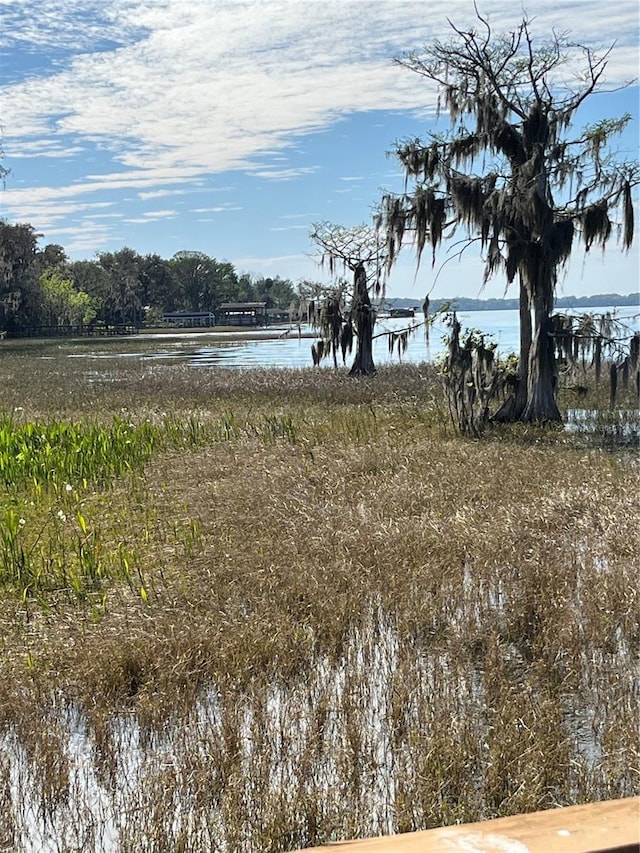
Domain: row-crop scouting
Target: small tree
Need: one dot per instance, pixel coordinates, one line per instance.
(62, 304)
(471, 376)
(510, 174)
(358, 250)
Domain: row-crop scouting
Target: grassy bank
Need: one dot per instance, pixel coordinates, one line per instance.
(247, 610)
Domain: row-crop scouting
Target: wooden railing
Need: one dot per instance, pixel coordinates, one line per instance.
(76, 331)
(612, 826)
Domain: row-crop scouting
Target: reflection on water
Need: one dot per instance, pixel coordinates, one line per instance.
(293, 351)
(286, 348)
(620, 425)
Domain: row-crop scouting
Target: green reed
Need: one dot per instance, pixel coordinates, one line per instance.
(53, 539)
(57, 452)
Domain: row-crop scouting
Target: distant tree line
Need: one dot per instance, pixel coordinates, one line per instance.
(464, 303)
(42, 287)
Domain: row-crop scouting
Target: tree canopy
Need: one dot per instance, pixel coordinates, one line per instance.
(513, 176)
(42, 287)
(346, 312)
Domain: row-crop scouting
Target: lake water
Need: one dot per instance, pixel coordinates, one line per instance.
(292, 351)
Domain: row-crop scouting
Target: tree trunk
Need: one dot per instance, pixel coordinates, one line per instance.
(363, 320)
(541, 387)
(515, 404)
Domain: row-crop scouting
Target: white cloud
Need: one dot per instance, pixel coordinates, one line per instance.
(48, 215)
(175, 92)
(221, 209)
(284, 174)
(159, 214)
(42, 148)
(188, 87)
(38, 23)
(19, 198)
(145, 196)
(81, 238)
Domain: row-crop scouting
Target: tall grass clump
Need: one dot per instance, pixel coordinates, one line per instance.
(305, 609)
(56, 453)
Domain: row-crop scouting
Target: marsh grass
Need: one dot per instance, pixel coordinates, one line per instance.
(299, 608)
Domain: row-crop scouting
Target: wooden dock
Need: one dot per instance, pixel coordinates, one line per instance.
(98, 330)
(607, 827)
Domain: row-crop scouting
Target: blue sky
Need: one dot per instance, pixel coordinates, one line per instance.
(229, 126)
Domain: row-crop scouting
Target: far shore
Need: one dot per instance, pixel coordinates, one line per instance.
(229, 333)
(262, 333)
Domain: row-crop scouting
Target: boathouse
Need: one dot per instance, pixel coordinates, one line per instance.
(189, 319)
(242, 314)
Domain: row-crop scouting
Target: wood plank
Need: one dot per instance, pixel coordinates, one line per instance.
(612, 826)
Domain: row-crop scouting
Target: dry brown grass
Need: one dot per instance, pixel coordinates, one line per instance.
(355, 622)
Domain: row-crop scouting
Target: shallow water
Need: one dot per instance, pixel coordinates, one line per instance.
(294, 351)
(619, 425)
(289, 349)
(231, 760)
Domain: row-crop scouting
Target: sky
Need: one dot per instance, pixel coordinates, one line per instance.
(230, 126)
